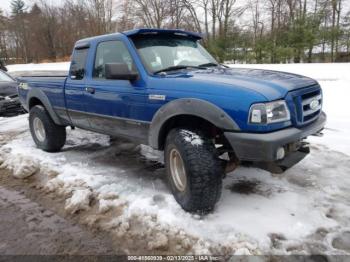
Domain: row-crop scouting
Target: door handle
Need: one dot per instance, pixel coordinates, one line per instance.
(90, 90)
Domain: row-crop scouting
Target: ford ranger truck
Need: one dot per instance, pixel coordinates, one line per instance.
(163, 89)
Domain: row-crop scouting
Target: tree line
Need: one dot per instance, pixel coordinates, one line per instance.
(252, 31)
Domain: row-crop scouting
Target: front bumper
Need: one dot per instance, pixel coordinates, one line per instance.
(263, 147)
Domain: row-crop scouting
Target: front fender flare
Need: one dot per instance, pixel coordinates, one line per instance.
(191, 107)
(40, 95)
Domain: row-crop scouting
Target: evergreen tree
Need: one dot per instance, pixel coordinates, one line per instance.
(17, 7)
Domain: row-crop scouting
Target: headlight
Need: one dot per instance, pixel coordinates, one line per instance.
(269, 113)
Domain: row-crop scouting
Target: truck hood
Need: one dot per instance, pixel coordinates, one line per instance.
(270, 84)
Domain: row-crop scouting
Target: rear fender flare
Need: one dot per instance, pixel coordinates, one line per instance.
(40, 95)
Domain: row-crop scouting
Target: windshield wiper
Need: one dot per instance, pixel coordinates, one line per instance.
(209, 65)
(214, 65)
(177, 67)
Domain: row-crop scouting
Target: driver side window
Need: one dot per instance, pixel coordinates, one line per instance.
(111, 52)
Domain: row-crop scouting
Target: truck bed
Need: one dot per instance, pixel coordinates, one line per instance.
(51, 83)
(18, 74)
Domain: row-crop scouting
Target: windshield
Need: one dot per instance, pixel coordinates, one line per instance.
(5, 78)
(161, 52)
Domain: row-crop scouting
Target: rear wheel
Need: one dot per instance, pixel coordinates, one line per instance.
(194, 170)
(46, 134)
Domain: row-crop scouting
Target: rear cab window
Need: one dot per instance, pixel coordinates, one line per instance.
(77, 70)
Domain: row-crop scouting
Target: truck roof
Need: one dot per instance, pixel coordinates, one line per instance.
(143, 31)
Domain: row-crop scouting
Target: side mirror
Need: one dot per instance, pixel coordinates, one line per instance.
(119, 71)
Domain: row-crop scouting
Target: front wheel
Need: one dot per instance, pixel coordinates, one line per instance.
(194, 170)
(46, 134)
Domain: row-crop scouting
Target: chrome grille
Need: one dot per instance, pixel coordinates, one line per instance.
(311, 103)
(301, 102)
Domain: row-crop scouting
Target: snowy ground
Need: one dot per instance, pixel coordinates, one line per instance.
(304, 211)
(63, 66)
(29, 228)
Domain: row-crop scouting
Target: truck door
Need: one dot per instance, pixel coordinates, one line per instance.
(75, 88)
(115, 107)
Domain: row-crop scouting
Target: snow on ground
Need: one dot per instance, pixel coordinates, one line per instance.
(63, 66)
(306, 210)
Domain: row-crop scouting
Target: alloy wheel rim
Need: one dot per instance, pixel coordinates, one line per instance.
(39, 129)
(177, 169)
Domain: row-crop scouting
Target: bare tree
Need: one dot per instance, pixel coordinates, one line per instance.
(152, 13)
(100, 13)
(18, 25)
(339, 10)
(204, 4)
(336, 14)
(191, 8)
(126, 20)
(3, 29)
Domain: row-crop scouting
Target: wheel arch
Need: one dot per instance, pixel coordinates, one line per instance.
(38, 97)
(192, 112)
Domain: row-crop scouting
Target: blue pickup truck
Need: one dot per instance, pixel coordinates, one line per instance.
(163, 89)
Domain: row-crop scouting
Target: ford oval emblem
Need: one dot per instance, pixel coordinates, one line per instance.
(314, 104)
